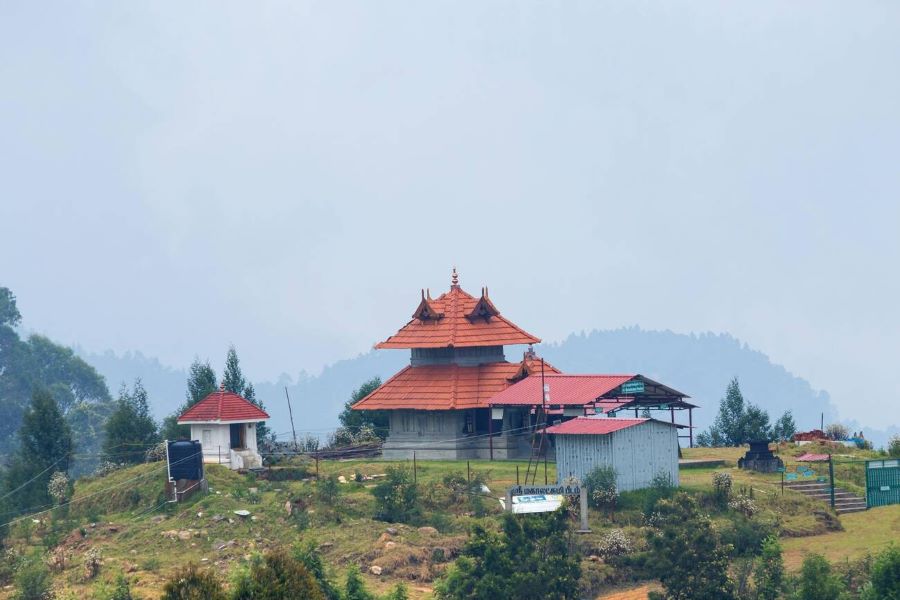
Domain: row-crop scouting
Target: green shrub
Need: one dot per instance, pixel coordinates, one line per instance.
(150, 564)
(121, 590)
(660, 488)
(32, 580)
(190, 583)
(355, 587)
(309, 556)
(687, 554)
(530, 558)
(816, 580)
(769, 572)
(328, 489)
(277, 576)
(601, 486)
(746, 535)
(885, 583)
(893, 447)
(396, 496)
(399, 592)
(9, 564)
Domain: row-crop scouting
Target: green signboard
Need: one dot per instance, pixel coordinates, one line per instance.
(633, 387)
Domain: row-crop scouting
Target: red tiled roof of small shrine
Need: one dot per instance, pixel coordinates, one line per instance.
(444, 387)
(226, 407)
(455, 325)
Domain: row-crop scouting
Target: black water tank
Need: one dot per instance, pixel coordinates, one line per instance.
(186, 460)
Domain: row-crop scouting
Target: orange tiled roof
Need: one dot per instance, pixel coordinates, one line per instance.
(446, 387)
(225, 407)
(450, 322)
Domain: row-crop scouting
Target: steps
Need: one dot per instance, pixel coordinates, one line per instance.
(844, 501)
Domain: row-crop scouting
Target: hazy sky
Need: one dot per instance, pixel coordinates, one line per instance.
(286, 176)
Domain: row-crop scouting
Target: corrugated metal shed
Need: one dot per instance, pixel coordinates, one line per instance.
(638, 449)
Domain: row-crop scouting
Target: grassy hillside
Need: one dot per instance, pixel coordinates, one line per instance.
(125, 518)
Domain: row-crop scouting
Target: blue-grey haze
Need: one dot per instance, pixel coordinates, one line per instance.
(698, 365)
(287, 175)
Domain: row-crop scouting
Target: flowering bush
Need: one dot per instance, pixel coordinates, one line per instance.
(722, 484)
(106, 467)
(743, 504)
(601, 485)
(614, 543)
(156, 453)
(91, 563)
(58, 488)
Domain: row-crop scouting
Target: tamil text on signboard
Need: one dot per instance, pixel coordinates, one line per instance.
(633, 387)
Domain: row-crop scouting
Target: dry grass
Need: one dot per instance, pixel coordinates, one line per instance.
(864, 533)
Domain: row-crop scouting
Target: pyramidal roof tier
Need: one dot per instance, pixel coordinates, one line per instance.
(449, 386)
(223, 407)
(457, 319)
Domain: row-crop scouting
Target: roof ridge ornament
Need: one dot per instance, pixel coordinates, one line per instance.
(454, 279)
(425, 311)
(484, 308)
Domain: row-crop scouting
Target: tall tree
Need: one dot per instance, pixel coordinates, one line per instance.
(201, 383)
(784, 428)
(38, 362)
(737, 421)
(45, 446)
(817, 581)
(769, 572)
(9, 312)
(233, 381)
(130, 429)
(352, 420)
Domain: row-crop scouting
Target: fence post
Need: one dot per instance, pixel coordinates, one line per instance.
(468, 472)
(415, 470)
(517, 475)
(831, 477)
(583, 505)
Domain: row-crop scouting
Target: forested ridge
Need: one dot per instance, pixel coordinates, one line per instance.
(35, 363)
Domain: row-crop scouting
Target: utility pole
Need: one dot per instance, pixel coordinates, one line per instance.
(291, 413)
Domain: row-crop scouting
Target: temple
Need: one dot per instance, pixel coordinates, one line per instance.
(460, 398)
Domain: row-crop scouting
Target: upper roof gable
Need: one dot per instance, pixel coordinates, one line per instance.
(458, 320)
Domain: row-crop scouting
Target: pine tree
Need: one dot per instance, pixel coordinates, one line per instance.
(233, 381)
(201, 383)
(784, 428)
(737, 422)
(45, 446)
(730, 419)
(130, 429)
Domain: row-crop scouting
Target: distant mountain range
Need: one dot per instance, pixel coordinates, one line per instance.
(700, 365)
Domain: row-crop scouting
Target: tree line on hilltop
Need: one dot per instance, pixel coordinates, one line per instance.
(57, 418)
